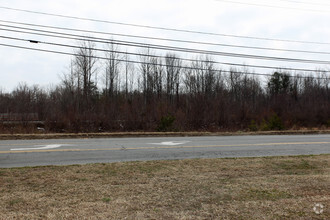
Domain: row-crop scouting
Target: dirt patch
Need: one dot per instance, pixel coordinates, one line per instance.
(253, 188)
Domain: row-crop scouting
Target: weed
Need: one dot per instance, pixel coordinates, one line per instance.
(13, 202)
(264, 194)
(106, 199)
(296, 167)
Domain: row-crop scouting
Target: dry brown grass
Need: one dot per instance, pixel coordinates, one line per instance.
(154, 134)
(254, 188)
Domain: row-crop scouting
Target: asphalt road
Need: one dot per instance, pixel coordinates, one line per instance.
(23, 153)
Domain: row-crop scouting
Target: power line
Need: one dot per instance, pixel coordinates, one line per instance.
(162, 39)
(148, 63)
(157, 56)
(161, 28)
(273, 6)
(105, 58)
(188, 50)
(305, 3)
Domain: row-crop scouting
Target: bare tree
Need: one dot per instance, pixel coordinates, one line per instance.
(209, 78)
(112, 68)
(173, 70)
(85, 70)
(157, 75)
(146, 75)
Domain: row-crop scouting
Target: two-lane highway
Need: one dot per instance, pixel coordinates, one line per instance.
(81, 151)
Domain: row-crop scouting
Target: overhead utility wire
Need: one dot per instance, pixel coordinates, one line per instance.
(162, 39)
(273, 6)
(147, 63)
(120, 60)
(305, 3)
(196, 51)
(162, 28)
(156, 56)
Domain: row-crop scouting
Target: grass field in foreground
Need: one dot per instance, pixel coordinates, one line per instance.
(249, 188)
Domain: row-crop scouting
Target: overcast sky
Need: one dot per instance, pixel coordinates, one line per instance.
(281, 21)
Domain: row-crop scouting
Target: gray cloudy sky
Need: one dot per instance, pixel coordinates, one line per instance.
(241, 17)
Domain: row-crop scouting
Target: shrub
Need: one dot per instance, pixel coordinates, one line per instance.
(253, 126)
(274, 123)
(166, 123)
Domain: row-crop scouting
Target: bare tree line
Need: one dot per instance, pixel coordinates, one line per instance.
(167, 93)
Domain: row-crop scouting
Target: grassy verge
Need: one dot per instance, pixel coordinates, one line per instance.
(153, 134)
(250, 188)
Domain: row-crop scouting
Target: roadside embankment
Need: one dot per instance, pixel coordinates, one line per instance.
(152, 134)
